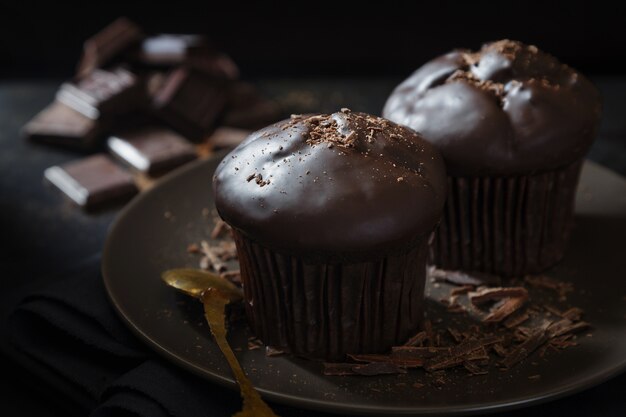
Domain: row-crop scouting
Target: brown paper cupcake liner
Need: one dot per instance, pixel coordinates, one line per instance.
(510, 226)
(321, 310)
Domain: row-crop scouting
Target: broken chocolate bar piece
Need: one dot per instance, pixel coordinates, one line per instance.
(93, 181)
(108, 44)
(190, 102)
(213, 63)
(58, 124)
(151, 149)
(103, 92)
(168, 49)
(247, 109)
(192, 51)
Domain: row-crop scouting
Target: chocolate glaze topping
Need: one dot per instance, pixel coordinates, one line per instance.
(345, 183)
(506, 109)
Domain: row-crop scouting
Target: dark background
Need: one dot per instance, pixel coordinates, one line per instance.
(316, 38)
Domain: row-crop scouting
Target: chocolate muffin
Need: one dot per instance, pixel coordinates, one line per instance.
(513, 125)
(331, 215)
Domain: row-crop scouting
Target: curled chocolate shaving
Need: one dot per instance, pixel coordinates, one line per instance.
(504, 310)
(461, 278)
(484, 295)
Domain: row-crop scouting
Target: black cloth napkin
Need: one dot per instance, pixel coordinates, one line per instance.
(69, 329)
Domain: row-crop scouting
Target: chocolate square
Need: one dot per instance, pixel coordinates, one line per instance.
(59, 124)
(190, 102)
(108, 44)
(169, 49)
(245, 108)
(151, 149)
(92, 181)
(102, 93)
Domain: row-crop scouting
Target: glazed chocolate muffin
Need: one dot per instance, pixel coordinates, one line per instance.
(331, 216)
(513, 125)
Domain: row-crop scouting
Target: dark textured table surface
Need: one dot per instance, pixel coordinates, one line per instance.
(42, 233)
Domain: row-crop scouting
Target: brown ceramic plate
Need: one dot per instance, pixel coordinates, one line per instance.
(144, 241)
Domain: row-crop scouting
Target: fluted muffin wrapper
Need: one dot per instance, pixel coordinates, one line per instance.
(510, 226)
(321, 310)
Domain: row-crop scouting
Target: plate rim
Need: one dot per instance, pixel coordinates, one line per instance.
(318, 405)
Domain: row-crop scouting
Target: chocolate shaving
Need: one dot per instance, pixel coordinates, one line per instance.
(417, 340)
(457, 358)
(461, 278)
(428, 328)
(398, 361)
(542, 281)
(462, 290)
(484, 295)
(338, 369)
(573, 314)
(214, 260)
(272, 351)
(193, 248)
(499, 350)
(474, 369)
(378, 368)
(519, 353)
(566, 326)
(455, 335)
(515, 320)
(508, 307)
(220, 228)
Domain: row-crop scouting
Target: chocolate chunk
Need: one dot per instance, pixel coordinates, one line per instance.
(151, 149)
(520, 352)
(107, 45)
(103, 92)
(93, 181)
(190, 102)
(58, 124)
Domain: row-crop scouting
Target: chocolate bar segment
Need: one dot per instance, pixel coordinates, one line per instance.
(103, 93)
(59, 124)
(93, 181)
(169, 49)
(152, 149)
(192, 51)
(108, 44)
(190, 102)
(247, 109)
